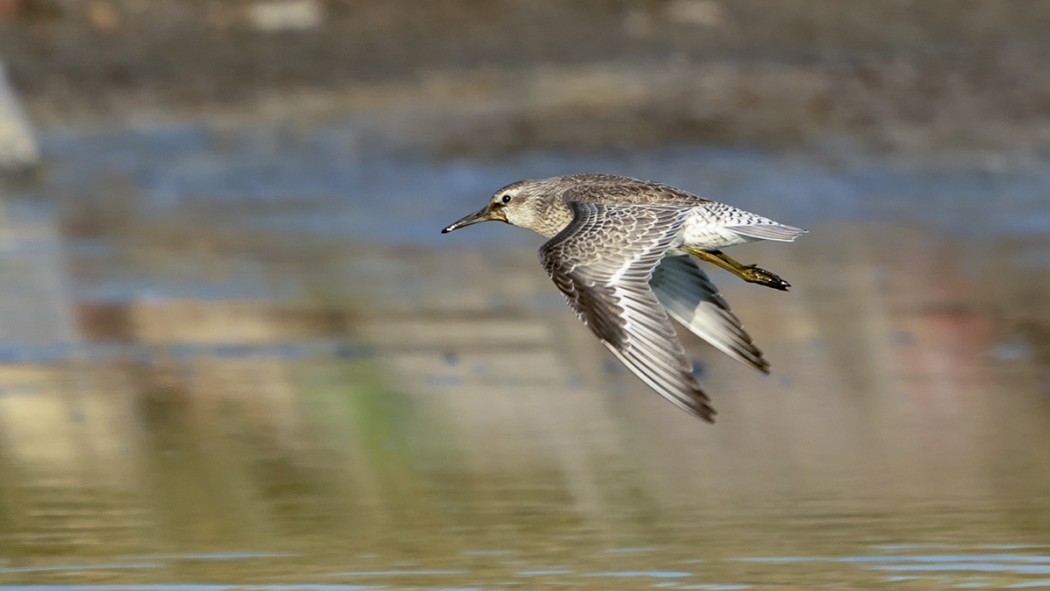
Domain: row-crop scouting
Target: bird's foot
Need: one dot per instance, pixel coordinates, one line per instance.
(749, 273)
(754, 274)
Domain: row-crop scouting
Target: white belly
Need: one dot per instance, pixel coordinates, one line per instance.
(714, 226)
(708, 237)
(711, 227)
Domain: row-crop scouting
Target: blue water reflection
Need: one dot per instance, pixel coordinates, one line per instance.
(322, 183)
(245, 359)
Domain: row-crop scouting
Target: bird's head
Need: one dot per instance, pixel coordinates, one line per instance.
(519, 204)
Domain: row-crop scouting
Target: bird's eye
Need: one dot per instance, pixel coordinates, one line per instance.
(506, 198)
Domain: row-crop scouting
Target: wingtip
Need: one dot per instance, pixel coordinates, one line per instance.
(704, 411)
(701, 406)
(757, 361)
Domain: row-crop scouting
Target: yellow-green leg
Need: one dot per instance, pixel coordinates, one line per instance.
(749, 273)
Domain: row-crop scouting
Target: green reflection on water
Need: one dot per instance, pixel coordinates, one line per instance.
(489, 439)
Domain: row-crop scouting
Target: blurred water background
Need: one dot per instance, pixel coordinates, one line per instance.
(235, 353)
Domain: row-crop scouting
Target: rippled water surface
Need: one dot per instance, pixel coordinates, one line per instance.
(246, 359)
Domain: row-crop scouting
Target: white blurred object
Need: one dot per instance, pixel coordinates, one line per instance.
(285, 15)
(696, 12)
(18, 147)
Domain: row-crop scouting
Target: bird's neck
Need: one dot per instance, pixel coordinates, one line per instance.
(552, 218)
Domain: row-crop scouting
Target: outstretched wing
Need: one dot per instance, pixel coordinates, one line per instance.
(691, 299)
(603, 261)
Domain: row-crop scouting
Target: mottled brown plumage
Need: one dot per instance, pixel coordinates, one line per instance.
(618, 250)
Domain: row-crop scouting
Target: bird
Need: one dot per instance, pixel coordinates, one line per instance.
(624, 252)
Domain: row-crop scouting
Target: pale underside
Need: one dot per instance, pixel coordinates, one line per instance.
(621, 271)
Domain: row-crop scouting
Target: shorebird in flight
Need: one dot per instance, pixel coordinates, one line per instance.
(622, 251)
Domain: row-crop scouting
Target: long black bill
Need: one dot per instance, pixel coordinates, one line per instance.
(479, 216)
